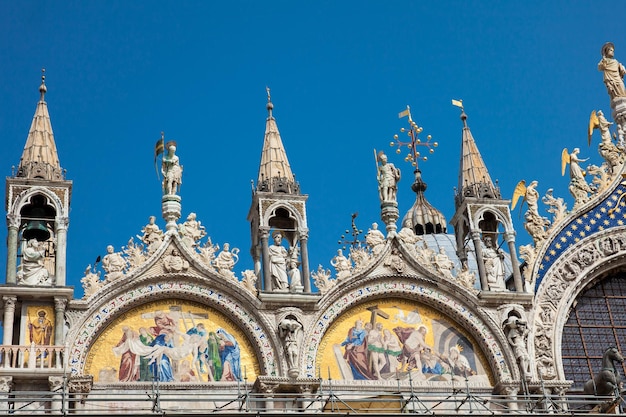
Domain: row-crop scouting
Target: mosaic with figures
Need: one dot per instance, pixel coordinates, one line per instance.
(396, 339)
(172, 341)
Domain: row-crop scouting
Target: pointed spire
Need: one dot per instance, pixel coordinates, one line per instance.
(274, 171)
(474, 179)
(39, 158)
(423, 218)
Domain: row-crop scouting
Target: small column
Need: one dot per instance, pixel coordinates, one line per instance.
(171, 208)
(389, 214)
(61, 224)
(479, 260)
(9, 314)
(59, 320)
(13, 223)
(304, 256)
(267, 275)
(6, 383)
(517, 277)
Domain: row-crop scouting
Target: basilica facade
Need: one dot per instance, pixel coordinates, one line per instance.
(409, 317)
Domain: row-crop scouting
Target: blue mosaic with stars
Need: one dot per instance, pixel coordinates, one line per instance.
(610, 212)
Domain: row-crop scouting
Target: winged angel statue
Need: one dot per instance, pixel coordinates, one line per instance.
(578, 186)
(535, 224)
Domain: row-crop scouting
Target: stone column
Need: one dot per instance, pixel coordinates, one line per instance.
(389, 214)
(267, 274)
(304, 257)
(61, 224)
(59, 320)
(6, 383)
(7, 322)
(13, 224)
(480, 261)
(517, 276)
(57, 387)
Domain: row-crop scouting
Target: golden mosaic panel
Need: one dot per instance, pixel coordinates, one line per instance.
(172, 341)
(391, 339)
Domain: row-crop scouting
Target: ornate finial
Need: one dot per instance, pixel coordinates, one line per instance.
(459, 104)
(269, 106)
(42, 87)
(413, 132)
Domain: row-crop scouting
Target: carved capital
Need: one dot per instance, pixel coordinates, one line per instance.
(61, 223)
(6, 383)
(60, 304)
(13, 221)
(509, 237)
(303, 234)
(55, 382)
(475, 235)
(264, 232)
(80, 384)
(9, 303)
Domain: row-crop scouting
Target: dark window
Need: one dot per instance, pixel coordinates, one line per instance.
(597, 321)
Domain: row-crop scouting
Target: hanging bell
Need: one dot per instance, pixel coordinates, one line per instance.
(36, 229)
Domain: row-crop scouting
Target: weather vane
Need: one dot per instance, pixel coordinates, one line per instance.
(355, 232)
(414, 140)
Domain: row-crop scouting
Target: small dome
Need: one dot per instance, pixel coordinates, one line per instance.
(423, 218)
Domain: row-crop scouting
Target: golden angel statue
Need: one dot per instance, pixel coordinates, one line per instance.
(578, 186)
(535, 224)
(607, 149)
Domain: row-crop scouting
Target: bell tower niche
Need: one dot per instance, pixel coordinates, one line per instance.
(35, 294)
(278, 220)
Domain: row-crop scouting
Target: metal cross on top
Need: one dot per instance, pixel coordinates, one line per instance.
(414, 140)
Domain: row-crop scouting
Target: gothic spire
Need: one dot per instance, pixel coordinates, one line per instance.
(39, 158)
(274, 171)
(474, 179)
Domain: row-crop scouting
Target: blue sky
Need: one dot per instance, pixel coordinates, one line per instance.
(119, 73)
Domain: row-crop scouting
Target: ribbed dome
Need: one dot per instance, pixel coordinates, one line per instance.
(423, 218)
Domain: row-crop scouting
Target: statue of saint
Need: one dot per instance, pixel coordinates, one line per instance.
(152, 235)
(32, 270)
(375, 239)
(278, 263)
(341, 264)
(388, 177)
(114, 264)
(494, 266)
(172, 170)
(226, 260)
(174, 262)
(613, 71)
(191, 231)
(443, 263)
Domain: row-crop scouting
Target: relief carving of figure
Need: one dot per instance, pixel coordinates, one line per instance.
(341, 264)
(114, 265)
(32, 270)
(172, 170)
(152, 235)
(388, 177)
(278, 263)
(289, 331)
(226, 260)
(375, 239)
(494, 265)
(516, 333)
(174, 262)
(613, 71)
